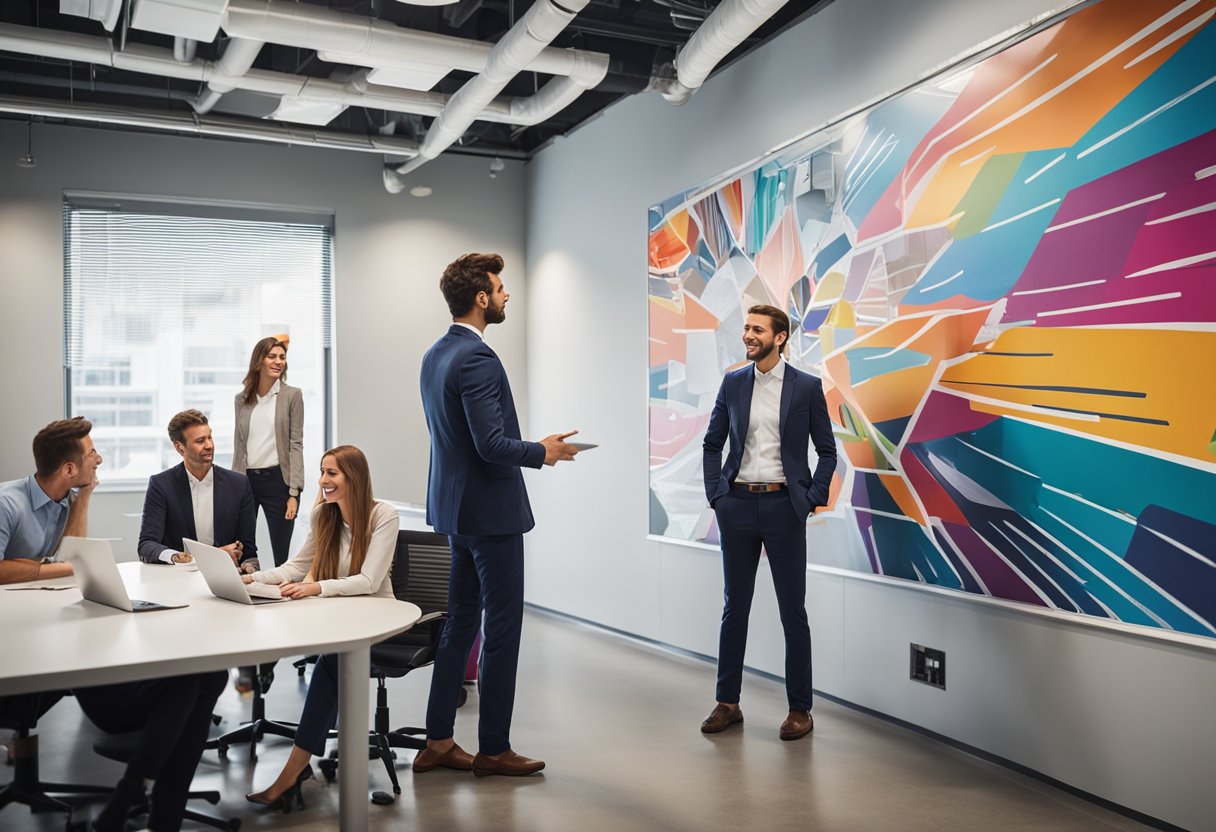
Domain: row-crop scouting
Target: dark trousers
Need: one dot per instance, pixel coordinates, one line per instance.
(487, 572)
(174, 715)
(320, 706)
(270, 493)
(745, 521)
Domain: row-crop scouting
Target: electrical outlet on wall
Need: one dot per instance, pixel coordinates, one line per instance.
(928, 665)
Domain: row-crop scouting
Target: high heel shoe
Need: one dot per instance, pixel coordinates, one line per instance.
(293, 794)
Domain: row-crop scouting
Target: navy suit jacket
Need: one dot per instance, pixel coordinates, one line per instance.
(169, 513)
(804, 413)
(474, 486)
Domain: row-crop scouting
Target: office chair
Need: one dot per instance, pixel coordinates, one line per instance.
(258, 725)
(421, 566)
(120, 747)
(21, 714)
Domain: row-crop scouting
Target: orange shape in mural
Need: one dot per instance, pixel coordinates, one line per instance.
(670, 322)
(1046, 91)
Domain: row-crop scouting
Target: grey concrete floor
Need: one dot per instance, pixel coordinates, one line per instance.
(617, 722)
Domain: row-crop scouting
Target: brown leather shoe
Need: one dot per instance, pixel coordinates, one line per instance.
(507, 763)
(454, 758)
(721, 718)
(797, 725)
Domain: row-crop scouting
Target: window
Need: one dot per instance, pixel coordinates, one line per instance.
(162, 306)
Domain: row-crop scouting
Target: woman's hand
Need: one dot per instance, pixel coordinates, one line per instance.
(248, 579)
(293, 506)
(303, 589)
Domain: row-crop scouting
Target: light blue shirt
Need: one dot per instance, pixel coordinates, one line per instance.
(31, 523)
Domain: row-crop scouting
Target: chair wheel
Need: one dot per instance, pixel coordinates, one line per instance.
(234, 825)
(329, 769)
(382, 798)
(222, 749)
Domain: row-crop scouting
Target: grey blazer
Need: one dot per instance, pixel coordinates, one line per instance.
(288, 436)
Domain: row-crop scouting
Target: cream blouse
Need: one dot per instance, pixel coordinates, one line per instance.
(372, 579)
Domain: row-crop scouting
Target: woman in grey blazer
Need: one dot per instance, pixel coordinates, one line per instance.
(269, 446)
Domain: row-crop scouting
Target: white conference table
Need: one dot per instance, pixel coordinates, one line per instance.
(57, 640)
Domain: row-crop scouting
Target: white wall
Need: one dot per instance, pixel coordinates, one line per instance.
(1121, 716)
(389, 252)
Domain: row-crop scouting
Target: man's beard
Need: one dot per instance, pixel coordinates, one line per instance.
(496, 315)
(764, 353)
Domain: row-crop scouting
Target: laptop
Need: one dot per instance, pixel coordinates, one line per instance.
(224, 581)
(98, 577)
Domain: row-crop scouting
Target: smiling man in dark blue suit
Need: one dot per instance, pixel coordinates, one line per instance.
(476, 496)
(762, 495)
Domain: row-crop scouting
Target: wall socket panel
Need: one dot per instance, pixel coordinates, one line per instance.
(928, 666)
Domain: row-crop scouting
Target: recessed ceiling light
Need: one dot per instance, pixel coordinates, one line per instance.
(421, 190)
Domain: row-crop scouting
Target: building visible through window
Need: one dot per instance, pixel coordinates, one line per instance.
(161, 312)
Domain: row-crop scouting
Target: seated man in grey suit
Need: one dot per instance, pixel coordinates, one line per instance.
(198, 500)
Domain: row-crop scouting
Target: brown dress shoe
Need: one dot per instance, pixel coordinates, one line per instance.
(721, 718)
(455, 758)
(507, 763)
(797, 725)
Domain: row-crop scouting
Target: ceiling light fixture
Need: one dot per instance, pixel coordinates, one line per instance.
(495, 166)
(28, 160)
(421, 190)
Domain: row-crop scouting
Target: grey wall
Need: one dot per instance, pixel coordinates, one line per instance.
(389, 252)
(1122, 716)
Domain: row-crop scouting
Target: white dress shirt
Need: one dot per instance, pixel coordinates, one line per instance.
(762, 447)
(262, 451)
(202, 497)
(472, 329)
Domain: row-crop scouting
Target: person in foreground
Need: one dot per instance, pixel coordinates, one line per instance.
(173, 714)
(198, 500)
(38, 511)
(476, 496)
(349, 551)
(762, 495)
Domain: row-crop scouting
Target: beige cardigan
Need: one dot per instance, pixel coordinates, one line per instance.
(288, 436)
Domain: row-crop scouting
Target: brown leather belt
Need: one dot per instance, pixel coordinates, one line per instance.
(761, 487)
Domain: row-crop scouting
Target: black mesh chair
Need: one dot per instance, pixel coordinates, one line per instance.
(421, 566)
(21, 714)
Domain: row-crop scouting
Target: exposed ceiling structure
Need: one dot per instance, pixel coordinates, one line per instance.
(407, 80)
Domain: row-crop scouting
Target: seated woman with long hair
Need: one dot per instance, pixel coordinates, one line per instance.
(348, 551)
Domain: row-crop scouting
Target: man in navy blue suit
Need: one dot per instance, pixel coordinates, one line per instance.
(198, 500)
(762, 495)
(476, 496)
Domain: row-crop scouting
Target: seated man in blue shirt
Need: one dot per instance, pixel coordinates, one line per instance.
(198, 500)
(37, 511)
(174, 714)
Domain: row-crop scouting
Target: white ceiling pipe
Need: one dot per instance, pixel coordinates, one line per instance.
(355, 93)
(211, 126)
(544, 21)
(238, 58)
(184, 50)
(559, 93)
(727, 26)
(354, 39)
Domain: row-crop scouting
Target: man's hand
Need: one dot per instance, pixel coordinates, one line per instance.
(248, 568)
(235, 550)
(182, 557)
(300, 590)
(86, 490)
(293, 505)
(557, 449)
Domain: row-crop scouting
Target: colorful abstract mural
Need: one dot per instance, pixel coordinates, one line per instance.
(1006, 278)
